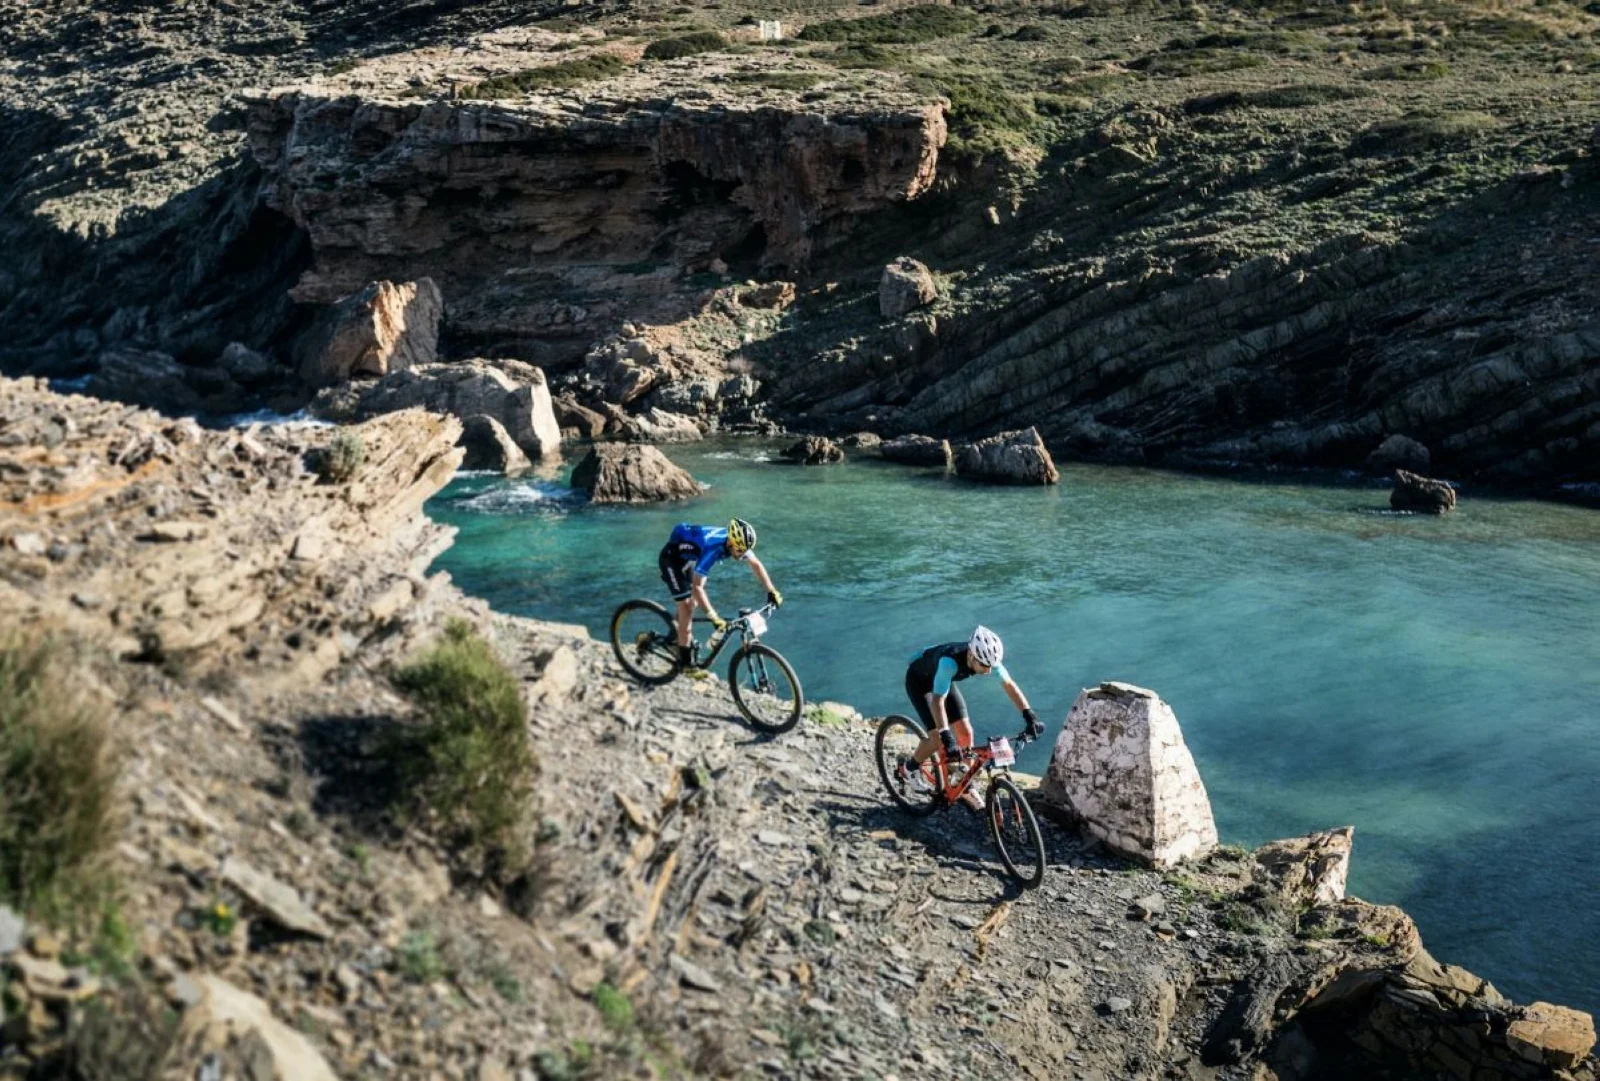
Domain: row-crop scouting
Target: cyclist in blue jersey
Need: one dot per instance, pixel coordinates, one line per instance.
(931, 685)
(687, 559)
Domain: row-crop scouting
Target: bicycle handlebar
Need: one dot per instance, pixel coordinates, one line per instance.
(744, 614)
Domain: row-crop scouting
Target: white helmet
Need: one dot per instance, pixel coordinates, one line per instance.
(985, 648)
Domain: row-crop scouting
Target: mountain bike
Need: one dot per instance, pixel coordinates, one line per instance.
(936, 784)
(764, 685)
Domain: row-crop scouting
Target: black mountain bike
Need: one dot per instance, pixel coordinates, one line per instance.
(764, 685)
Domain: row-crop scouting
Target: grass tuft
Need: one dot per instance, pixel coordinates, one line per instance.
(470, 761)
(341, 459)
(615, 1009)
(58, 783)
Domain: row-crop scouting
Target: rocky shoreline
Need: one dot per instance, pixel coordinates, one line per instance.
(237, 604)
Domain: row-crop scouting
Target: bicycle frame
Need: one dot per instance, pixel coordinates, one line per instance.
(742, 623)
(978, 759)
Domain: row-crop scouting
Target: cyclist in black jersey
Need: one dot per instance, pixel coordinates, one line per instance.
(930, 684)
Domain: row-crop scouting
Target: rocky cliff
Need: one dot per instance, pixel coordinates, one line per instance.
(529, 210)
(701, 905)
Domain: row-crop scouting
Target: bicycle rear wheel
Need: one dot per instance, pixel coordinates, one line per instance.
(1015, 831)
(645, 641)
(921, 792)
(765, 688)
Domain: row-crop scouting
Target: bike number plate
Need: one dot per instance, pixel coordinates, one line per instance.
(1003, 753)
(758, 625)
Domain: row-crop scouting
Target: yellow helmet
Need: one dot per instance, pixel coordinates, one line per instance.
(741, 537)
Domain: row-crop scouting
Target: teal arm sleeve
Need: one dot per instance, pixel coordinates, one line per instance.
(1000, 670)
(943, 677)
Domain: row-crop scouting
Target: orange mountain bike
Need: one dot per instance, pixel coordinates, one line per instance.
(938, 783)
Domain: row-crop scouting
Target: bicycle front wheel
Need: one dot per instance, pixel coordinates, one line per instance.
(765, 688)
(1015, 832)
(645, 641)
(920, 791)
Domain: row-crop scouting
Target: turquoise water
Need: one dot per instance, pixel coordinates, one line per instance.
(1434, 682)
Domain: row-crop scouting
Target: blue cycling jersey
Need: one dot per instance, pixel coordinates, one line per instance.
(701, 545)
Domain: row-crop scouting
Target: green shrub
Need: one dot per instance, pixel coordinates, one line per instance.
(702, 41)
(778, 80)
(615, 1009)
(868, 56)
(470, 761)
(341, 458)
(550, 76)
(58, 785)
(1418, 131)
(908, 26)
(418, 957)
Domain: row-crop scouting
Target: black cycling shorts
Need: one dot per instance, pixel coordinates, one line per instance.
(955, 707)
(677, 572)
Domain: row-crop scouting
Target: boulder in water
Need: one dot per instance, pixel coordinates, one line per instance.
(632, 473)
(905, 286)
(1424, 495)
(490, 446)
(383, 328)
(814, 450)
(917, 450)
(1121, 769)
(1018, 457)
(1399, 452)
(863, 440)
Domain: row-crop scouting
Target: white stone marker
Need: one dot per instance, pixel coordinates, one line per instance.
(1121, 768)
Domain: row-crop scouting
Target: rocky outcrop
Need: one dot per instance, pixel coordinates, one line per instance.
(813, 450)
(1422, 495)
(168, 541)
(383, 328)
(1007, 458)
(511, 392)
(1120, 768)
(691, 178)
(489, 446)
(1398, 452)
(905, 286)
(1304, 871)
(632, 473)
(918, 450)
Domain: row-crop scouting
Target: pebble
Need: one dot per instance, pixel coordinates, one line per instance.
(1116, 1005)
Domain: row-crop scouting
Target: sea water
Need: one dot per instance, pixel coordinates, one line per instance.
(1434, 682)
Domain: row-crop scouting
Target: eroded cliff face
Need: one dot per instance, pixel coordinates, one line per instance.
(540, 215)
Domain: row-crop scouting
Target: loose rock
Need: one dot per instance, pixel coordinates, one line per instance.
(1421, 494)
